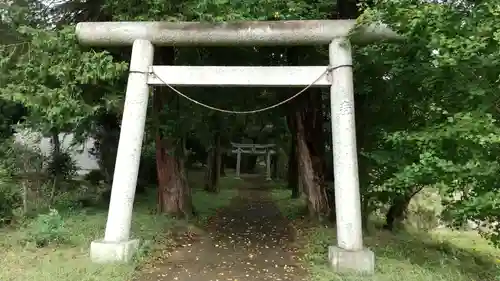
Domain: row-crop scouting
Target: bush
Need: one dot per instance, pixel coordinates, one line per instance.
(147, 168)
(31, 183)
(17, 160)
(9, 201)
(62, 165)
(67, 201)
(424, 211)
(47, 229)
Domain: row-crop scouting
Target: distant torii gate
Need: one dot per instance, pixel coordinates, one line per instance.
(349, 254)
(255, 149)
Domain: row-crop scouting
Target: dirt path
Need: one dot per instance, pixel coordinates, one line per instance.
(248, 241)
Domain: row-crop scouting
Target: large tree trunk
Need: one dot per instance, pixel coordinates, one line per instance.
(313, 184)
(274, 166)
(212, 175)
(313, 120)
(307, 125)
(174, 194)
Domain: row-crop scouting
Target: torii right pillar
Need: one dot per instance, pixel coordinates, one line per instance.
(349, 253)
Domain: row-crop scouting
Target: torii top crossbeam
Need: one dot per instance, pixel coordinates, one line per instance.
(250, 145)
(250, 33)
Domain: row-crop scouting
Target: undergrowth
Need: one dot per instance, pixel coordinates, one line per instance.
(55, 245)
(438, 255)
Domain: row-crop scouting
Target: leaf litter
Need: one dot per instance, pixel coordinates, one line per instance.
(248, 241)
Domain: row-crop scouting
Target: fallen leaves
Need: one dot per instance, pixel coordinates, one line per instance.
(248, 241)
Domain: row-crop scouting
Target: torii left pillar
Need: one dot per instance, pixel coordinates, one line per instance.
(117, 245)
(268, 164)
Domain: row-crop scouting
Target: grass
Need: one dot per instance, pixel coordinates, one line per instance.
(70, 261)
(291, 208)
(207, 204)
(441, 255)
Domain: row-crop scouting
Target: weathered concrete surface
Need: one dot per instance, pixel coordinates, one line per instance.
(250, 33)
(111, 252)
(345, 261)
(127, 158)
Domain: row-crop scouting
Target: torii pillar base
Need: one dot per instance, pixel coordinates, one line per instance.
(113, 252)
(344, 261)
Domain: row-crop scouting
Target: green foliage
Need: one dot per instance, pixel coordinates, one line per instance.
(70, 201)
(47, 229)
(425, 209)
(427, 108)
(441, 129)
(27, 181)
(17, 160)
(207, 204)
(147, 167)
(291, 208)
(432, 256)
(10, 114)
(62, 165)
(51, 77)
(9, 201)
(70, 260)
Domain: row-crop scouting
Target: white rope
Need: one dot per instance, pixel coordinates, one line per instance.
(246, 111)
(327, 70)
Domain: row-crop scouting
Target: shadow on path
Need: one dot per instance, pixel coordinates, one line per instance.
(248, 241)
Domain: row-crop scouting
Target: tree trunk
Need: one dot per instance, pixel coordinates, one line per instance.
(313, 185)
(249, 163)
(185, 157)
(217, 161)
(313, 120)
(222, 165)
(209, 169)
(56, 159)
(310, 146)
(365, 213)
(106, 143)
(214, 166)
(24, 185)
(293, 173)
(397, 212)
(347, 9)
(174, 194)
(274, 166)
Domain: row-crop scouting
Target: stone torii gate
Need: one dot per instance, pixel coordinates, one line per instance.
(349, 253)
(255, 149)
